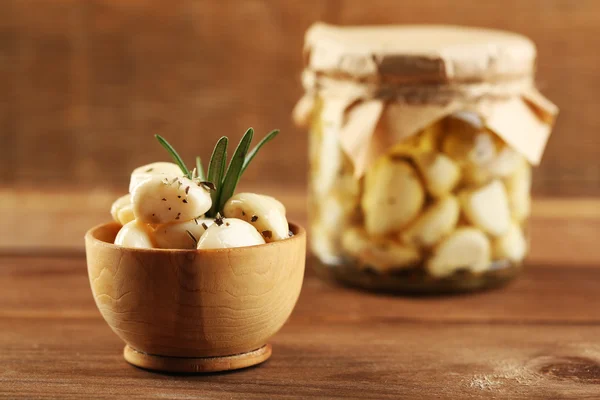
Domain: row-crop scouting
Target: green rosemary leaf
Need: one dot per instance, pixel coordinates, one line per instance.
(216, 169)
(235, 169)
(200, 169)
(174, 155)
(271, 135)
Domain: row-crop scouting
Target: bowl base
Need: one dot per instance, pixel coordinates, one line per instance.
(196, 364)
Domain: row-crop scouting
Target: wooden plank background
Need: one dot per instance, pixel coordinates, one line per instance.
(84, 84)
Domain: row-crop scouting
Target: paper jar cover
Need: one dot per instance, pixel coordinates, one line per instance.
(368, 128)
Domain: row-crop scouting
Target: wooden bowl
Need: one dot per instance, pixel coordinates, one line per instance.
(195, 310)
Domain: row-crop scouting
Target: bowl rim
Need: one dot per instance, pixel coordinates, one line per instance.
(297, 229)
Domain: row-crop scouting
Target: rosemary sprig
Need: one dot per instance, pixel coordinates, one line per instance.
(174, 154)
(235, 169)
(200, 169)
(270, 136)
(221, 179)
(216, 169)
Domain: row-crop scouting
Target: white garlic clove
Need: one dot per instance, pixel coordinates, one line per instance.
(469, 144)
(505, 163)
(380, 254)
(122, 210)
(181, 235)
(135, 234)
(125, 214)
(487, 208)
(518, 186)
(393, 196)
(161, 199)
(465, 248)
(336, 212)
(480, 152)
(484, 149)
(325, 244)
(333, 213)
(265, 213)
(146, 171)
(441, 174)
(475, 176)
(436, 222)
(512, 246)
(424, 142)
(429, 139)
(230, 232)
(327, 158)
(475, 157)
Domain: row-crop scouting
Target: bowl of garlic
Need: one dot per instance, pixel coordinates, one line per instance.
(192, 276)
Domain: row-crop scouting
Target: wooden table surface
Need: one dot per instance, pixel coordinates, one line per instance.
(537, 338)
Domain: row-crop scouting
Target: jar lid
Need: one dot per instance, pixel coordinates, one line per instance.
(418, 53)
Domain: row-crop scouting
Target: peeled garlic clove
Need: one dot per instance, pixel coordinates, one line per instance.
(505, 163)
(146, 171)
(487, 208)
(181, 235)
(347, 188)
(465, 248)
(125, 214)
(166, 198)
(437, 221)
(474, 176)
(135, 234)
(380, 254)
(484, 149)
(518, 186)
(426, 140)
(331, 214)
(465, 142)
(355, 241)
(336, 212)
(393, 196)
(230, 232)
(429, 138)
(441, 174)
(407, 148)
(265, 213)
(327, 158)
(511, 246)
(481, 153)
(468, 142)
(325, 244)
(122, 210)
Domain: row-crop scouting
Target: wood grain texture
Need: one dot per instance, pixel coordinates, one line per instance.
(190, 303)
(535, 339)
(82, 83)
(194, 365)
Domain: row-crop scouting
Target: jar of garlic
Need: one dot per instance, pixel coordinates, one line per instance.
(422, 140)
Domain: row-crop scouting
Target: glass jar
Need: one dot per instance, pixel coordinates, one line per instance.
(421, 182)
